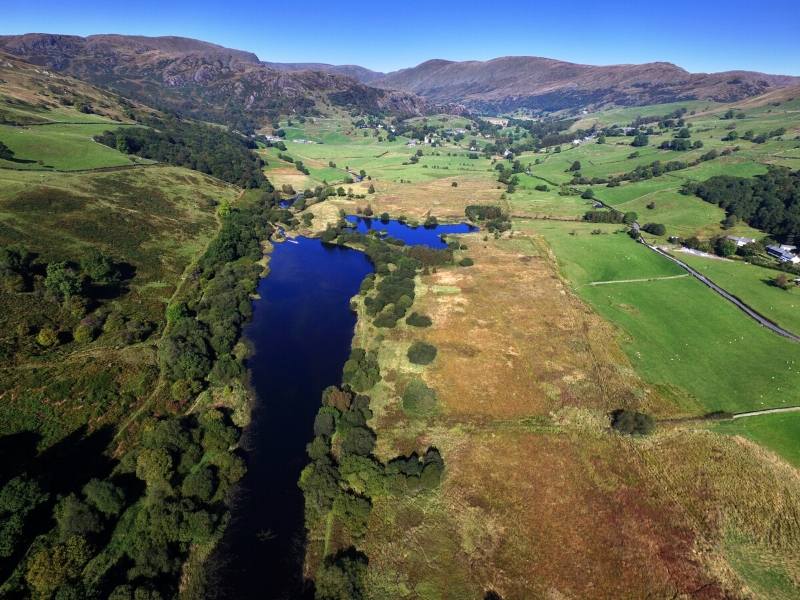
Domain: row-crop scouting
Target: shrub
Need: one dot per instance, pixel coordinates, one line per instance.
(357, 440)
(421, 353)
(83, 334)
(341, 577)
(655, 228)
(47, 337)
(432, 469)
(417, 320)
(200, 484)
(325, 421)
(104, 496)
(781, 281)
(632, 422)
(361, 370)
(725, 247)
(466, 262)
(337, 398)
(419, 399)
(353, 512)
(385, 319)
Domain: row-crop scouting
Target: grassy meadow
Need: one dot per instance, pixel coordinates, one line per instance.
(694, 346)
(61, 147)
(753, 285)
(778, 432)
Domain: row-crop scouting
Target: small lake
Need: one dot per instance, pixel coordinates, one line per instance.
(413, 236)
(301, 332)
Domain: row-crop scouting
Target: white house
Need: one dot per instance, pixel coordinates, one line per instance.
(740, 241)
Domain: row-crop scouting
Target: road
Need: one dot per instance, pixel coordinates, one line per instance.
(759, 318)
(766, 411)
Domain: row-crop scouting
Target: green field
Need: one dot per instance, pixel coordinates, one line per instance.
(60, 147)
(358, 149)
(751, 284)
(779, 432)
(683, 216)
(622, 116)
(692, 345)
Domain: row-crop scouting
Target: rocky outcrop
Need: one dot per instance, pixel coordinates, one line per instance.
(513, 82)
(203, 80)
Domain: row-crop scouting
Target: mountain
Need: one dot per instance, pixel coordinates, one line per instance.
(202, 80)
(30, 94)
(512, 82)
(361, 74)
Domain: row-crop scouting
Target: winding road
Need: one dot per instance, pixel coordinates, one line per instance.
(759, 318)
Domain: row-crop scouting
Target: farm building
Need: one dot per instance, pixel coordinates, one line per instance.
(740, 241)
(783, 254)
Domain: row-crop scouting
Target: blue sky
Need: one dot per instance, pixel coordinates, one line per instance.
(699, 35)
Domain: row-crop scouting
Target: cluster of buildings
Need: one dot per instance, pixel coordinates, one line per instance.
(785, 253)
(429, 139)
(584, 140)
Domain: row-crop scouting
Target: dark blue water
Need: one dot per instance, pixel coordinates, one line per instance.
(413, 236)
(301, 332)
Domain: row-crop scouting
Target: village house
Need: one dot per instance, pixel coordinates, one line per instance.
(784, 253)
(740, 241)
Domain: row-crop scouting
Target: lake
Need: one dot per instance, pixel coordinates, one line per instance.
(301, 333)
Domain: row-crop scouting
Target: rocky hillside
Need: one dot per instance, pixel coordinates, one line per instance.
(361, 74)
(508, 83)
(202, 80)
(32, 94)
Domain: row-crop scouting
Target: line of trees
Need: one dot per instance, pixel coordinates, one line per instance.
(343, 477)
(491, 217)
(211, 150)
(127, 528)
(770, 202)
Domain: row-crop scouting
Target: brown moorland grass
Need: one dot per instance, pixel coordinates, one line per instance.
(514, 342)
(437, 197)
(540, 499)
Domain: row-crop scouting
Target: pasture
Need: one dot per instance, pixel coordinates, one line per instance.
(61, 147)
(524, 377)
(695, 347)
(778, 432)
(753, 285)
